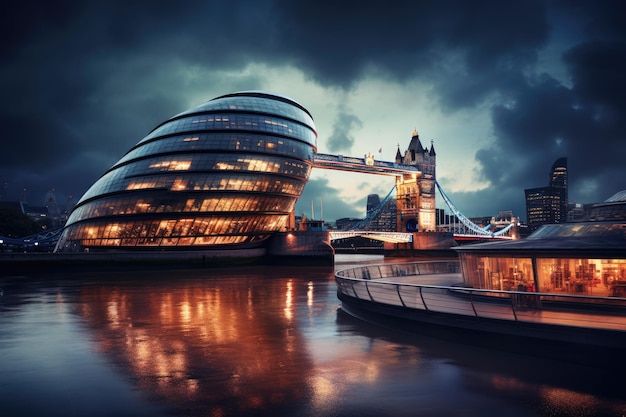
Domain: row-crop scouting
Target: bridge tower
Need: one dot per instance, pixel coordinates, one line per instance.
(415, 192)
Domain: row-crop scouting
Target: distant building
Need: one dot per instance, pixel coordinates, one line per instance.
(484, 221)
(305, 224)
(576, 212)
(548, 205)
(612, 209)
(373, 201)
(384, 213)
(39, 214)
(346, 223)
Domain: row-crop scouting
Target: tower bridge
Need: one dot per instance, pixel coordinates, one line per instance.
(415, 188)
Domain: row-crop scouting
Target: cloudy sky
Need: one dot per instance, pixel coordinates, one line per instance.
(502, 88)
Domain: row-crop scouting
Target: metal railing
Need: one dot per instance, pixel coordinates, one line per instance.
(398, 285)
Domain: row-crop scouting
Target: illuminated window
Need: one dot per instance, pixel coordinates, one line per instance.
(138, 185)
(171, 165)
(179, 185)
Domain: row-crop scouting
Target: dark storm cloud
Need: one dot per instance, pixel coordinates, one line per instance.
(547, 120)
(338, 42)
(81, 82)
(84, 81)
(341, 138)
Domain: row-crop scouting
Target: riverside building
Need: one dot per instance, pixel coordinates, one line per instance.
(546, 205)
(584, 258)
(224, 174)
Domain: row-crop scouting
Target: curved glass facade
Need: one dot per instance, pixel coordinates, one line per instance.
(227, 172)
(586, 258)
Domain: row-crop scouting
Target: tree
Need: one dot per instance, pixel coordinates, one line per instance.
(14, 223)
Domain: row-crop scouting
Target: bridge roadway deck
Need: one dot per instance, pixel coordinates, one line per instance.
(448, 302)
(362, 165)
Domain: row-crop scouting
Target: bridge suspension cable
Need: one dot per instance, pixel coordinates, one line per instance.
(481, 231)
(42, 238)
(467, 222)
(504, 230)
(373, 213)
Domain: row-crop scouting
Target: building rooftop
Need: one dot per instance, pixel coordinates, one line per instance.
(617, 197)
(609, 237)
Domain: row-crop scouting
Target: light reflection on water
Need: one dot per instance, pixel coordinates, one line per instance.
(254, 341)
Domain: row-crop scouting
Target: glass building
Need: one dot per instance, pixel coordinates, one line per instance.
(224, 174)
(546, 205)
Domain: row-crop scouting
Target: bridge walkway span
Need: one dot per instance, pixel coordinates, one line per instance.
(393, 237)
(353, 164)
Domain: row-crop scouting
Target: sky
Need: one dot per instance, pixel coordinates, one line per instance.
(502, 89)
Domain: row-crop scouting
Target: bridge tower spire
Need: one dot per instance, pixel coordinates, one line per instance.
(415, 192)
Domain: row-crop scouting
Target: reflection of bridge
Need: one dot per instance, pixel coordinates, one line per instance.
(462, 227)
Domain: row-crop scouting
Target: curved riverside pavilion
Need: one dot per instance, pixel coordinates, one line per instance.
(584, 258)
(569, 258)
(566, 283)
(225, 174)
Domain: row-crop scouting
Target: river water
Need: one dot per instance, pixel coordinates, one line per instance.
(256, 341)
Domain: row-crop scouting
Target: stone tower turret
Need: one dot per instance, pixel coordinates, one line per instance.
(416, 192)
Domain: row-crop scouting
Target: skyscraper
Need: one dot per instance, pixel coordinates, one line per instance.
(373, 201)
(558, 180)
(383, 213)
(545, 205)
